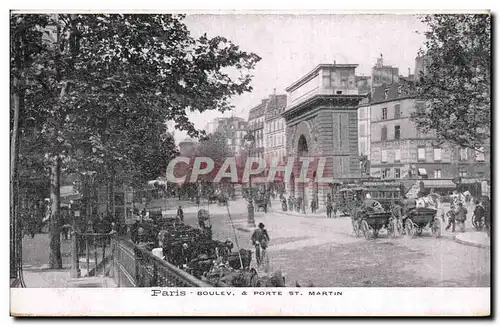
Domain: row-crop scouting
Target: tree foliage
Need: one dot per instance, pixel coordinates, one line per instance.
(456, 83)
(101, 88)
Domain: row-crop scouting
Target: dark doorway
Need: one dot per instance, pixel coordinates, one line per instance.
(303, 151)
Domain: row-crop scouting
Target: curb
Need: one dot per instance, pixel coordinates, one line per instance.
(469, 243)
(299, 215)
(242, 229)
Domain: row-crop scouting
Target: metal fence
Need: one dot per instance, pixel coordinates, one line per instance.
(93, 251)
(133, 266)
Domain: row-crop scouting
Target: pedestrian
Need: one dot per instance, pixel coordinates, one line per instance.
(161, 235)
(487, 217)
(329, 209)
(290, 203)
(451, 219)
(283, 204)
(202, 217)
(313, 205)
(298, 207)
(180, 214)
(479, 214)
(461, 216)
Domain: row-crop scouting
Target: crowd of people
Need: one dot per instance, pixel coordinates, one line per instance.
(299, 205)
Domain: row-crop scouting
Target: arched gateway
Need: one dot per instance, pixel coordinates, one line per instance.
(321, 122)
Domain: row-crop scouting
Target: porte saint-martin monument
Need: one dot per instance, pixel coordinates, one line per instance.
(321, 122)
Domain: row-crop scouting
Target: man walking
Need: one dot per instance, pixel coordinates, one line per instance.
(329, 208)
(451, 219)
(313, 205)
(461, 216)
(180, 214)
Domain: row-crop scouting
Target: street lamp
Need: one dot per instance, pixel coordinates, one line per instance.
(249, 140)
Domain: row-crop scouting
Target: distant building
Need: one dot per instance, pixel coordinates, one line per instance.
(421, 66)
(364, 118)
(274, 125)
(256, 127)
(364, 84)
(211, 126)
(383, 74)
(234, 130)
(187, 147)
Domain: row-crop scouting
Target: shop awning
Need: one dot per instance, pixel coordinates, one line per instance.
(438, 183)
(471, 180)
(422, 171)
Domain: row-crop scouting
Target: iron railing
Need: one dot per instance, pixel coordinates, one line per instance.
(134, 266)
(93, 252)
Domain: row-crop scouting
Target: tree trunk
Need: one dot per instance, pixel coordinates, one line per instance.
(14, 224)
(55, 259)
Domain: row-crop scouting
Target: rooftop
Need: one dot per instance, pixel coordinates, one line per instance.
(398, 90)
(315, 71)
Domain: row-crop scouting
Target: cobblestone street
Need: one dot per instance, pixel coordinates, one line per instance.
(324, 252)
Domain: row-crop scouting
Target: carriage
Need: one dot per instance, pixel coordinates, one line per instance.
(418, 218)
(261, 203)
(369, 218)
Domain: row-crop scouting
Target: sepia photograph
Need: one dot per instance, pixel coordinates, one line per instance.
(253, 155)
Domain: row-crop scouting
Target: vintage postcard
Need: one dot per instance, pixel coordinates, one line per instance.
(250, 164)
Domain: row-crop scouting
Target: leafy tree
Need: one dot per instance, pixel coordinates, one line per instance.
(25, 47)
(455, 85)
(106, 84)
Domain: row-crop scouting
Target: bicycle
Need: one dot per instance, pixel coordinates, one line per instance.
(478, 223)
(261, 257)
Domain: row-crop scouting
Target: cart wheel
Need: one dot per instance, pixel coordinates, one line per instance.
(399, 226)
(366, 229)
(410, 229)
(391, 229)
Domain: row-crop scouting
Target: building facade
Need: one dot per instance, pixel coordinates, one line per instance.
(256, 118)
(364, 118)
(321, 121)
(274, 129)
(383, 74)
(234, 130)
(187, 147)
(211, 126)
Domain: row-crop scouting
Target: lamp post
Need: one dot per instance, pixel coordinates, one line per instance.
(249, 140)
(75, 268)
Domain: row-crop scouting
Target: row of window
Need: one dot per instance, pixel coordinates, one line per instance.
(274, 125)
(420, 155)
(397, 132)
(388, 174)
(463, 154)
(437, 155)
(275, 140)
(396, 113)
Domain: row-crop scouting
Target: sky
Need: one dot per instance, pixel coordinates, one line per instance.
(293, 44)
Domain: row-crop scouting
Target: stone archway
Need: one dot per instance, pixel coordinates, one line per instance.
(303, 150)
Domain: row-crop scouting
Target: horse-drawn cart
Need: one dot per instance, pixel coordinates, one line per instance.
(369, 218)
(419, 218)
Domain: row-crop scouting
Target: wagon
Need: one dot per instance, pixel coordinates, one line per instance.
(373, 222)
(261, 203)
(419, 218)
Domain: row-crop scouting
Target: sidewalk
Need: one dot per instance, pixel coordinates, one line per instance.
(36, 271)
(475, 239)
